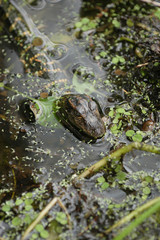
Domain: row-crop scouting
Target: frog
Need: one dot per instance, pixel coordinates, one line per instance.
(82, 115)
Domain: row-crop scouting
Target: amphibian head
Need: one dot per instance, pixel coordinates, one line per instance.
(81, 115)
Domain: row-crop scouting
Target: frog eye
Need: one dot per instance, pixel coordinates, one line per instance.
(81, 109)
(92, 105)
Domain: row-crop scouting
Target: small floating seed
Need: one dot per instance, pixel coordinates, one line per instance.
(43, 95)
(37, 41)
(148, 125)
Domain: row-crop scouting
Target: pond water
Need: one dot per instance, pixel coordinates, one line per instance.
(47, 151)
(108, 50)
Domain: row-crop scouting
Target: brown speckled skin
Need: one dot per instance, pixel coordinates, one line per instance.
(81, 115)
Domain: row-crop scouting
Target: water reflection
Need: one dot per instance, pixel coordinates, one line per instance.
(140, 161)
(36, 4)
(46, 151)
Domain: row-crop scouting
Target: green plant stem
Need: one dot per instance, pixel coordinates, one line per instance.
(43, 213)
(152, 209)
(133, 214)
(17, 92)
(118, 153)
(127, 40)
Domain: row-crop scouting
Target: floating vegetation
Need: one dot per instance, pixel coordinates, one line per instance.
(54, 186)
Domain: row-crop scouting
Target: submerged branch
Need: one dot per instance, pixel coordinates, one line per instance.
(118, 153)
(17, 92)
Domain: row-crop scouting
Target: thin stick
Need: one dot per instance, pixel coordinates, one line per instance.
(43, 213)
(14, 183)
(103, 162)
(152, 2)
(142, 65)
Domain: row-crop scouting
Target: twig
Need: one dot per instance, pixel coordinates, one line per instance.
(103, 162)
(152, 2)
(143, 64)
(14, 183)
(43, 213)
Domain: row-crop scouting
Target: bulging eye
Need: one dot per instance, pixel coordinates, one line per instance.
(81, 109)
(92, 105)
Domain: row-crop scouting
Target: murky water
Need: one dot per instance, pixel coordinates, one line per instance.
(42, 53)
(48, 151)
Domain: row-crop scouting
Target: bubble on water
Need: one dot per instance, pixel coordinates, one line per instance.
(37, 4)
(53, 1)
(83, 71)
(57, 52)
